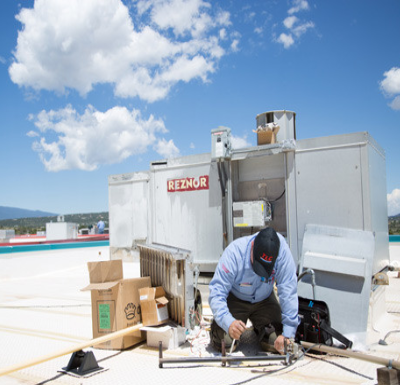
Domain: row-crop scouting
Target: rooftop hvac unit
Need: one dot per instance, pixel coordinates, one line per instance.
(328, 197)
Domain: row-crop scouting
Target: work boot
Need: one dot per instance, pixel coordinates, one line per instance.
(217, 334)
(268, 340)
(217, 346)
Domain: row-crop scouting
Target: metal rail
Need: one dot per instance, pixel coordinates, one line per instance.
(350, 353)
(223, 358)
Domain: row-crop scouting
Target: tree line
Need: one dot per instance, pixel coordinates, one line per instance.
(33, 225)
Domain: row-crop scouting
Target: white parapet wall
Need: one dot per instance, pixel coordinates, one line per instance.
(394, 251)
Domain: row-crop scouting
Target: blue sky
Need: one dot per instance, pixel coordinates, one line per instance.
(100, 87)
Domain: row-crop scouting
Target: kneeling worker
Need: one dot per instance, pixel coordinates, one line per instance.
(243, 288)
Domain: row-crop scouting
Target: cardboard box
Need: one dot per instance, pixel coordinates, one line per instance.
(171, 337)
(115, 303)
(267, 134)
(153, 303)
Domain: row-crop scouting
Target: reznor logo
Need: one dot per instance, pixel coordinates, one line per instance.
(188, 184)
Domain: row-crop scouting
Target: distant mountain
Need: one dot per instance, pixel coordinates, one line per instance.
(16, 213)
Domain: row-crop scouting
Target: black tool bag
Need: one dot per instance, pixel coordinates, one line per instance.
(315, 324)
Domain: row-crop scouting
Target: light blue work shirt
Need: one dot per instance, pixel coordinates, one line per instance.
(100, 226)
(235, 274)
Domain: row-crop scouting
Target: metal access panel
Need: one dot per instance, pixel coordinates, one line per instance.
(342, 261)
(128, 196)
(250, 214)
(186, 208)
(340, 182)
(220, 143)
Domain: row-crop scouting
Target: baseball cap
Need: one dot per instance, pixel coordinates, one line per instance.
(265, 252)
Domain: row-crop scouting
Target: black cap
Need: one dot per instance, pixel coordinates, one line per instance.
(265, 251)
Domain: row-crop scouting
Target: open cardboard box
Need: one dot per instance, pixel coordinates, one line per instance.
(267, 134)
(115, 303)
(153, 303)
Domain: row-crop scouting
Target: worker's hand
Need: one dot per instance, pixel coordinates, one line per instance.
(236, 329)
(279, 344)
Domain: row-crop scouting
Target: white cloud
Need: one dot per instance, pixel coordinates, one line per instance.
(185, 68)
(184, 17)
(395, 104)
(238, 142)
(390, 86)
(167, 149)
(32, 134)
(286, 40)
(290, 21)
(298, 5)
(76, 45)
(235, 45)
(2, 60)
(301, 29)
(222, 34)
(94, 138)
(391, 83)
(296, 27)
(394, 202)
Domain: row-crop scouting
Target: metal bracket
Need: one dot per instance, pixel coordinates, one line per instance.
(82, 363)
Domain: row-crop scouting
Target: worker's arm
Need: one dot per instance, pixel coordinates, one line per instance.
(220, 286)
(287, 290)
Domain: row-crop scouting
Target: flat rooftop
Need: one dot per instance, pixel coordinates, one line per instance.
(43, 311)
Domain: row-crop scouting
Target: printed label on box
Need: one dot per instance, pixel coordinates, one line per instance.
(104, 316)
